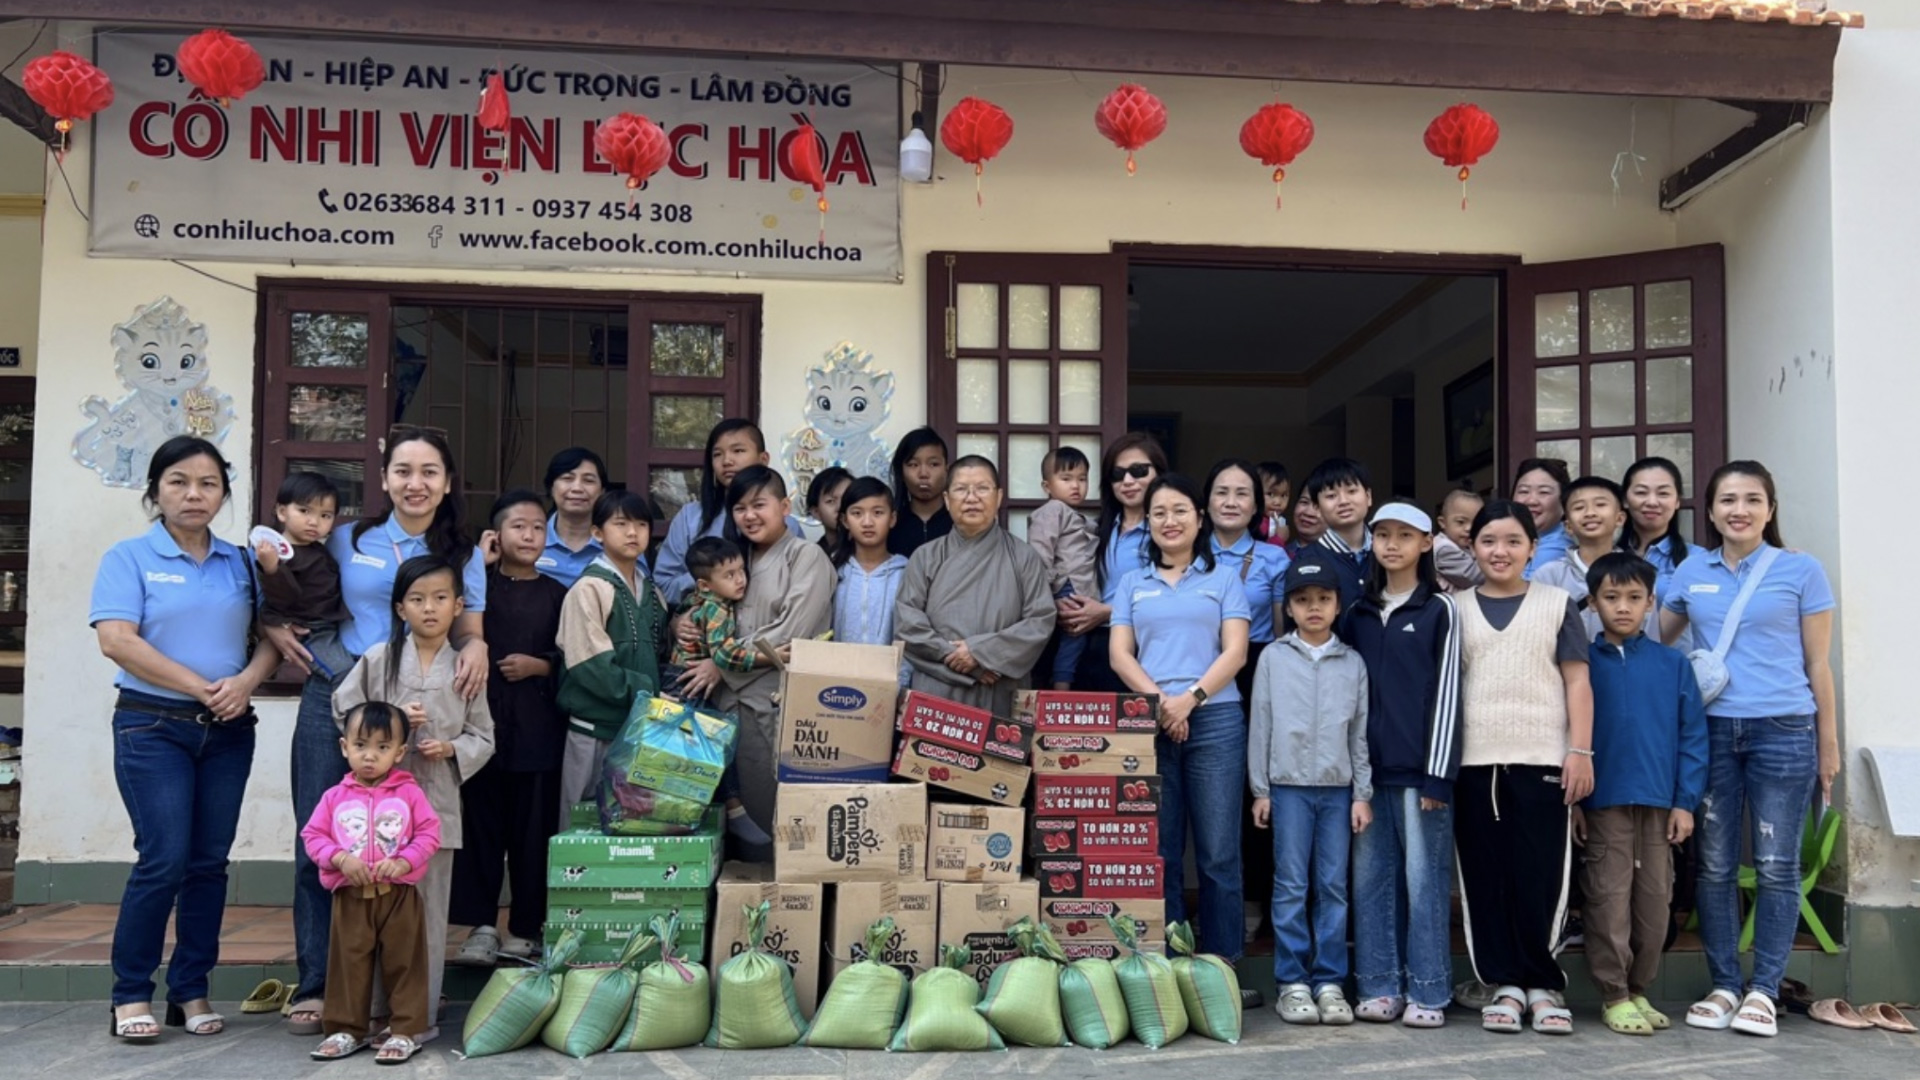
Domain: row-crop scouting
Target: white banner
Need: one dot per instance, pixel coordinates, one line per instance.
(363, 153)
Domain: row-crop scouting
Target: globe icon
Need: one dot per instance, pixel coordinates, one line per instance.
(146, 226)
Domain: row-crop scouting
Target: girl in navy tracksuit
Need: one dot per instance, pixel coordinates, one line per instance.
(1406, 630)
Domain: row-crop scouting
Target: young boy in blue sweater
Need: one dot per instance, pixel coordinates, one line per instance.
(1650, 772)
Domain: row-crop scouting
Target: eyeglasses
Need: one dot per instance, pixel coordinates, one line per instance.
(1139, 470)
(1162, 514)
(983, 492)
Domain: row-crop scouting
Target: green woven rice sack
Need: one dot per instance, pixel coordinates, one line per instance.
(1023, 997)
(940, 1015)
(673, 1006)
(517, 1002)
(1153, 994)
(753, 1002)
(594, 1003)
(1090, 999)
(864, 1005)
(1209, 987)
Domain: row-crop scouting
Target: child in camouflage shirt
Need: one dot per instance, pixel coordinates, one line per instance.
(719, 571)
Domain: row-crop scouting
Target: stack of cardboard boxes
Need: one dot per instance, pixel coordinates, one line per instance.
(610, 887)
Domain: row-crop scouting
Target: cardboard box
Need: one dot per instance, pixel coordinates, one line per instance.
(658, 899)
(1095, 764)
(1068, 795)
(1095, 949)
(585, 817)
(591, 860)
(974, 843)
(794, 923)
(602, 943)
(1106, 877)
(963, 771)
(1080, 919)
(850, 832)
(1095, 836)
(857, 905)
(692, 915)
(965, 727)
(837, 704)
(1073, 712)
(977, 915)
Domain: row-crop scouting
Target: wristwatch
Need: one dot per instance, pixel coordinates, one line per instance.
(1199, 694)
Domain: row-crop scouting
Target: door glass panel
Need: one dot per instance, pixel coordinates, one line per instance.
(16, 424)
(1027, 393)
(985, 444)
(1670, 390)
(978, 316)
(1556, 324)
(1610, 320)
(16, 480)
(326, 413)
(1080, 393)
(1029, 323)
(1556, 398)
(329, 341)
(1669, 314)
(681, 421)
(349, 476)
(1611, 456)
(1612, 389)
(1686, 526)
(1676, 447)
(688, 350)
(1080, 317)
(979, 391)
(1017, 522)
(1024, 455)
(1567, 450)
(672, 489)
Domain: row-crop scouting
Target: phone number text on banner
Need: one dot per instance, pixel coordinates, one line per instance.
(365, 153)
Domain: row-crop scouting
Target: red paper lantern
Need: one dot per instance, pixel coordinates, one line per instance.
(808, 164)
(69, 87)
(1276, 135)
(495, 111)
(1461, 136)
(1131, 118)
(975, 131)
(221, 66)
(634, 144)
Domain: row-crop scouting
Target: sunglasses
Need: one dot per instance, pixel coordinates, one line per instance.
(1139, 470)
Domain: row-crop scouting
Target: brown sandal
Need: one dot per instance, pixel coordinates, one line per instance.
(303, 1018)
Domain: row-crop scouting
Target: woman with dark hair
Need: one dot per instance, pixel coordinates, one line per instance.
(1654, 489)
(173, 609)
(1773, 732)
(1180, 631)
(422, 487)
(733, 444)
(575, 478)
(1539, 484)
(920, 487)
(1129, 467)
(825, 495)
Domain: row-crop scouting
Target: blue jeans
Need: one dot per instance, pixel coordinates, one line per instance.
(1766, 769)
(1066, 656)
(1403, 878)
(183, 783)
(1312, 828)
(1200, 785)
(316, 766)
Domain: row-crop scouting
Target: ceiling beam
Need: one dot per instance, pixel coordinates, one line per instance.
(1771, 124)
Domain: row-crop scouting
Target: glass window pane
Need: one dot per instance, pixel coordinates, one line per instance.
(979, 391)
(1612, 389)
(1027, 392)
(1611, 456)
(1686, 526)
(681, 421)
(1610, 320)
(1080, 393)
(1670, 390)
(329, 341)
(1017, 522)
(672, 489)
(1556, 398)
(16, 479)
(1669, 314)
(1024, 455)
(1090, 446)
(981, 443)
(326, 413)
(16, 424)
(1556, 324)
(978, 316)
(1567, 450)
(13, 534)
(1029, 318)
(1080, 317)
(349, 476)
(1677, 448)
(689, 350)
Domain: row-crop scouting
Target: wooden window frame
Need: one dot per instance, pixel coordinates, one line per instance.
(17, 390)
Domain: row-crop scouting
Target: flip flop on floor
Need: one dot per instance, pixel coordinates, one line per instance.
(1837, 1012)
(1883, 1015)
(303, 1017)
(336, 1046)
(269, 996)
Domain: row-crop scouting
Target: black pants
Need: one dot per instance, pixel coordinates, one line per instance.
(1256, 845)
(506, 819)
(1096, 670)
(1510, 828)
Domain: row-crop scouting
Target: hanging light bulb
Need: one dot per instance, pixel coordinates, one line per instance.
(916, 154)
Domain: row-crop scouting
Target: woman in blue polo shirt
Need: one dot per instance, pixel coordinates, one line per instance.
(575, 478)
(173, 608)
(1180, 631)
(1653, 487)
(1773, 733)
(1537, 485)
(417, 474)
(1131, 464)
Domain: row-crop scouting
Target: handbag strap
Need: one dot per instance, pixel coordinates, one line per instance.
(1739, 608)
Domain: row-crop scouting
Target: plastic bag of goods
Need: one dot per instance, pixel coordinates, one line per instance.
(1209, 987)
(1153, 994)
(664, 765)
(753, 1003)
(940, 1014)
(594, 1002)
(864, 1005)
(516, 1003)
(1023, 997)
(672, 1007)
(1091, 1002)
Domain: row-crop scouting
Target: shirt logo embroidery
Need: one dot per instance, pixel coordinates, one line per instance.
(1407, 629)
(163, 578)
(1703, 588)
(546, 560)
(360, 559)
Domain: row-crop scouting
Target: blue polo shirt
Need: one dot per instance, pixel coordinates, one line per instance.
(1176, 628)
(1660, 554)
(562, 563)
(1125, 552)
(1259, 579)
(1554, 545)
(367, 570)
(196, 614)
(1765, 675)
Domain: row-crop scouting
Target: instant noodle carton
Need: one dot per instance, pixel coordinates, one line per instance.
(1101, 877)
(1066, 795)
(965, 727)
(1129, 720)
(1085, 919)
(1067, 835)
(968, 772)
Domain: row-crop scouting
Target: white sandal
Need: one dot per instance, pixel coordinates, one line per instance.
(1715, 1011)
(1499, 1016)
(1549, 1018)
(1756, 1016)
(336, 1046)
(1296, 1005)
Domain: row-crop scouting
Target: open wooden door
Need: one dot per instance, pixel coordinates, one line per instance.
(1610, 360)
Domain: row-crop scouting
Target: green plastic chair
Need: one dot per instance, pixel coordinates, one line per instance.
(1816, 848)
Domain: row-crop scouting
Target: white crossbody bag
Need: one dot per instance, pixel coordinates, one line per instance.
(1710, 665)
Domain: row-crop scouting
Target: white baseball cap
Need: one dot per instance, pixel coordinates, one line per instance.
(1404, 513)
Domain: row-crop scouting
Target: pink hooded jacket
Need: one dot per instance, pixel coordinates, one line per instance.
(390, 819)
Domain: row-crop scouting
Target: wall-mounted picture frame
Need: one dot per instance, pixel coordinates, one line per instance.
(1468, 408)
